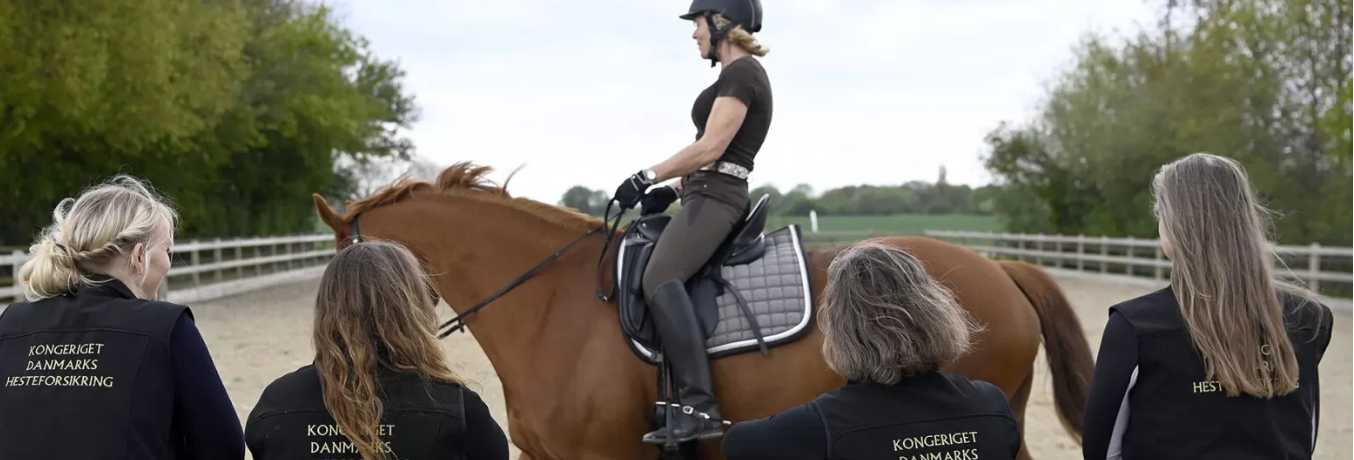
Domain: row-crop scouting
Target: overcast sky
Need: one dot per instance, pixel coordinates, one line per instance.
(586, 92)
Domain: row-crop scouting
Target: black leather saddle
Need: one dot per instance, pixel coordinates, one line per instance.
(745, 244)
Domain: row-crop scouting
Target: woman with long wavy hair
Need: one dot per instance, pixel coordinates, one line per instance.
(380, 386)
(1222, 363)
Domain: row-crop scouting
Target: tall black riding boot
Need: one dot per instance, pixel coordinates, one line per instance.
(680, 336)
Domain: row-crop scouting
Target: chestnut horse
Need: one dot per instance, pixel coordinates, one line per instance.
(573, 388)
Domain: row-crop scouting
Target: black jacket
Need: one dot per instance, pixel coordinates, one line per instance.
(87, 376)
(423, 419)
(933, 415)
(1150, 399)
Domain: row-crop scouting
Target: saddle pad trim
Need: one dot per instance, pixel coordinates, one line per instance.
(733, 347)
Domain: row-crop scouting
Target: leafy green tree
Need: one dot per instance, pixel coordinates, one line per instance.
(1265, 82)
(235, 110)
(578, 197)
(983, 199)
(769, 190)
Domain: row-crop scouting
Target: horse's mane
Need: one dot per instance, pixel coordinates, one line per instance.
(467, 179)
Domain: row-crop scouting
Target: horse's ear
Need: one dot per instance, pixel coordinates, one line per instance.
(327, 214)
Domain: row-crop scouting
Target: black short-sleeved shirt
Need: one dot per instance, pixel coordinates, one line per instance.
(746, 80)
(1150, 399)
(934, 415)
(422, 419)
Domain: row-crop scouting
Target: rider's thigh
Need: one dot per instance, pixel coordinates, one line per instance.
(689, 240)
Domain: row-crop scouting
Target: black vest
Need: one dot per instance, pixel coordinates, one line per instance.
(87, 376)
(934, 416)
(423, 419)
(1174, 412)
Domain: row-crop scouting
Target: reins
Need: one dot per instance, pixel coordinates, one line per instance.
(458, 323)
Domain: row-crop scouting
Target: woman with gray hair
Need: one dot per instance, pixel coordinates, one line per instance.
(1221, 363)
(888, 328)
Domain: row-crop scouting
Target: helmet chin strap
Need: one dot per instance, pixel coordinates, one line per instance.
(715, 35)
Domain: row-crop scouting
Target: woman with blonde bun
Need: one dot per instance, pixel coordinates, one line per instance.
(93, 365)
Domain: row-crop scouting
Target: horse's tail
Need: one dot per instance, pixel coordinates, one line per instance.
(1065, 344)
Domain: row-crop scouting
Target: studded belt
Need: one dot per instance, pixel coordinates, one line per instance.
(724, 167)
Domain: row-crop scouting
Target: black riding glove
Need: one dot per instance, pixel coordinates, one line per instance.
(630, 191)
(657, 200)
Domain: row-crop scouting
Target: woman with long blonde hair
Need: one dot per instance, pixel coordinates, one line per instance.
(379, 386)
(1222, 363)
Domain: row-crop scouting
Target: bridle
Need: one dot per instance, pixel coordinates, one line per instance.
(457, 323)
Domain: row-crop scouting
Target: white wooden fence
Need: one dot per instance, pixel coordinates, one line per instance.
(204, 270)
(1141, 259)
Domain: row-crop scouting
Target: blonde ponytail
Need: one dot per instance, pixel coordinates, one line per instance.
(742, 38)
(88, 233)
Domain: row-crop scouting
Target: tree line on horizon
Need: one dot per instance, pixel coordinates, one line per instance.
(914, 197)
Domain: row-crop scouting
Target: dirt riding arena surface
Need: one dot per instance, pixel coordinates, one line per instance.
(256, 337)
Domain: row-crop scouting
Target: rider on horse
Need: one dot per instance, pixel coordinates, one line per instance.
(732, 117)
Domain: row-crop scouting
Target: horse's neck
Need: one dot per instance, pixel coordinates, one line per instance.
(547, 310)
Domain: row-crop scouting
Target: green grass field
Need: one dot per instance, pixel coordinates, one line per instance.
(902, 224)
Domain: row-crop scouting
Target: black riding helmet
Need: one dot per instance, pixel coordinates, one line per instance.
(745, 13)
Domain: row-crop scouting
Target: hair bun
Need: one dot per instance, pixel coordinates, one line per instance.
(58, 251)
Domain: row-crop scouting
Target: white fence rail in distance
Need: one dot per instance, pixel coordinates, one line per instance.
(1322, 269)
(205, 270)
(211, 269)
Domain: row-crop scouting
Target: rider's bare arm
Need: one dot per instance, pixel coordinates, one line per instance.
(726, 116)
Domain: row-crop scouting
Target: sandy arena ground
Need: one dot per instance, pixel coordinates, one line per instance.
(257, 337)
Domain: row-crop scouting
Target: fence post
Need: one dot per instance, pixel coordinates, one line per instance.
(1081, 251)
(1018, 246)
(1156, 262)
(239, 255)
(1104, 252)
(196, 260)
(17, 264)
(216, 259)
(1058, 248)
(1314, 268)
(1128, 254)
(1000, 242)
(1039, 248)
